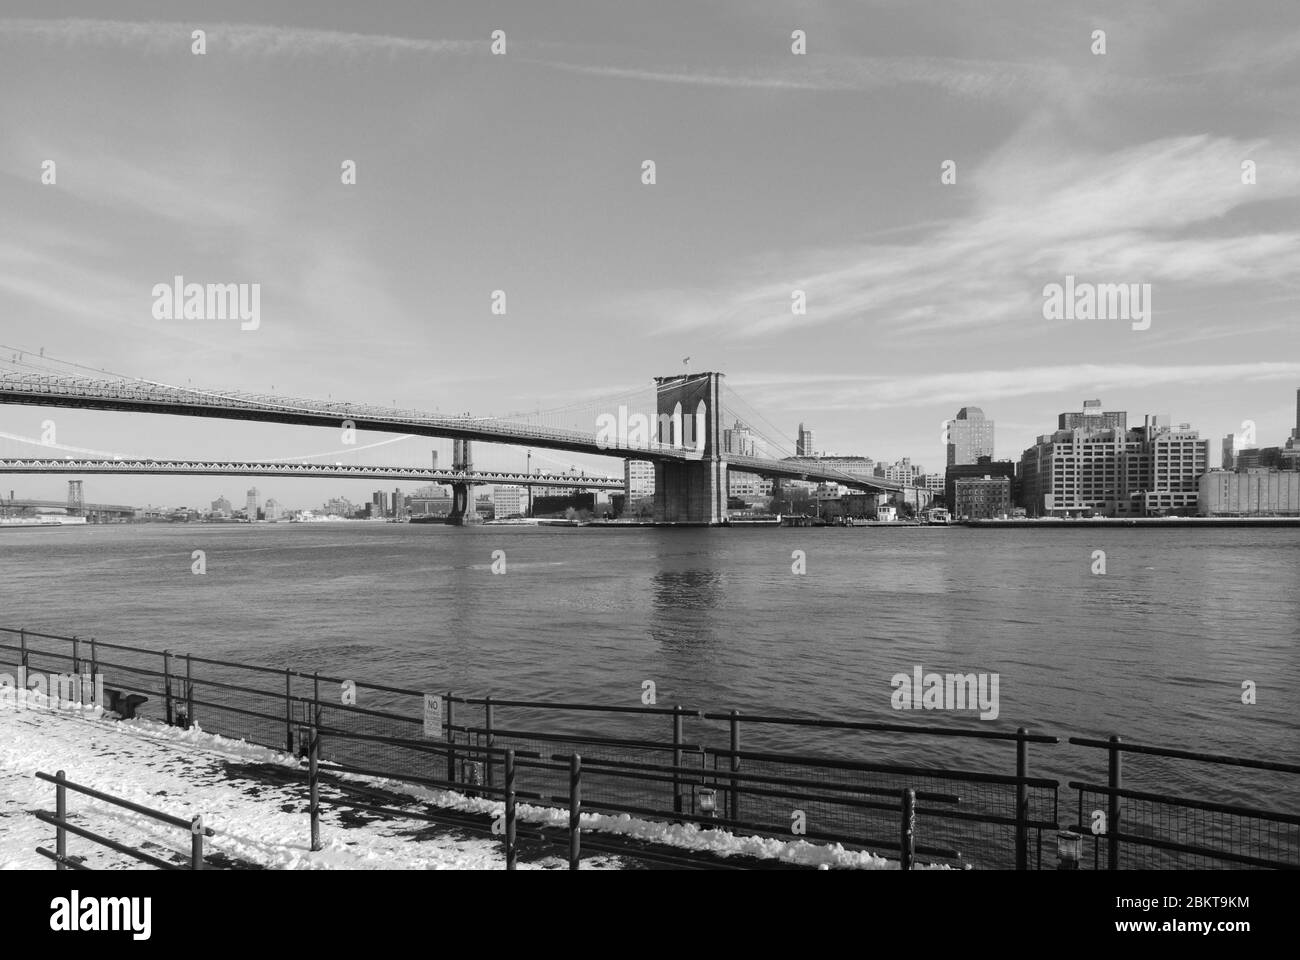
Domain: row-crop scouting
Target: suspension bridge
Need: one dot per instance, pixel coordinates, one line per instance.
(681, 429)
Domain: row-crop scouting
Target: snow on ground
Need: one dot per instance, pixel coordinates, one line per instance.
(254, 798)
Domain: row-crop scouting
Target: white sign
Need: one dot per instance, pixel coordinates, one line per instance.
(432, 715)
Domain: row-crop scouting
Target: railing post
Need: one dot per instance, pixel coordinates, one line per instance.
(76, 656)
(313, 779)
(908, 844)
(61, 812)
(677, 757)
(487, 726)
(1022, 799)
(22, 642)
(288, 710)
(575, 811)
(189, 692)
(1112, 813)
(196, 843)
(451, 739)
(167, 684)
(94, 668)
(512, 852)
(733, 797)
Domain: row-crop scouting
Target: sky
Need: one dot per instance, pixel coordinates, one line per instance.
(775, 172)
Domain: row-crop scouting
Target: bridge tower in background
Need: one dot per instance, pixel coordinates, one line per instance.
(692, 491)
(463, 510)
(76, 500)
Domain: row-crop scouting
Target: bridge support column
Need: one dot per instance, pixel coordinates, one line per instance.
(463, 510)
(692, 490)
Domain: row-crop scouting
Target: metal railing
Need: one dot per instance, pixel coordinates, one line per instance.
(637, 759)
(1142, 829)
(59, 820)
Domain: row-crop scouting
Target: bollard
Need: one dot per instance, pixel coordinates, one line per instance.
(196, 843)
(908, 845)
(575, 811)
(512, 851)
(61, 812)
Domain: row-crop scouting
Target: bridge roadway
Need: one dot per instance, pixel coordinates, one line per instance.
(253, 468)
(147, 397)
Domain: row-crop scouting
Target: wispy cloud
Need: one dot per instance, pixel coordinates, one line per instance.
(251, 40)
(949, 389)
(1152, 213)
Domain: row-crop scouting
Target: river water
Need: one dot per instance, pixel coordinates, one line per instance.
(1156, 649)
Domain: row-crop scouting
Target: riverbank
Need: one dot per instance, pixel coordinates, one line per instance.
(1162, 523)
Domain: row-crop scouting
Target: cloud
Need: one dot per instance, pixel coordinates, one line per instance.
(882, 392)
(1154, 213)
(250, 40)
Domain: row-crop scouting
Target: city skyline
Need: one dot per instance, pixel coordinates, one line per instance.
(921, 296)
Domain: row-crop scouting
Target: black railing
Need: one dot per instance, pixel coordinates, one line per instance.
(59, 820)
(1132, 828)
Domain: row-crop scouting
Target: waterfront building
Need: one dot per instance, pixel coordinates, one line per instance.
(748, 486)
(273, 510)
(399, 504)
(1249, 493)
(1152, 470)
(221, 507)
(250, 505)
(982, 498)
(984, 466)
(509, 502)
(970, 436)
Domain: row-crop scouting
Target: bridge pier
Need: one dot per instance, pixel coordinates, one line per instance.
(463, 511)
(693, 490)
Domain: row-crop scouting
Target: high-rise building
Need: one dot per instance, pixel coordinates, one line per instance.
(804, 444)
(1093, 418)
(399, 504)
(970, 436)
(273, 509)
(739, 440)
(1229, 452)
(250, 504)
(221, 507)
